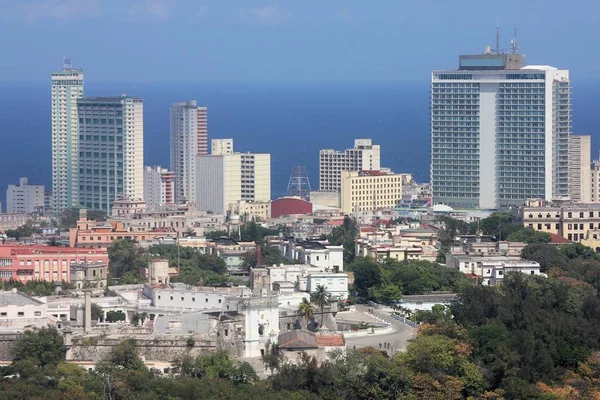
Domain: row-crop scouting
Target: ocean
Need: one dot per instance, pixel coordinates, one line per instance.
(292, 121)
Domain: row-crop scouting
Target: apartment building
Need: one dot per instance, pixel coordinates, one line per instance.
(371, 190)
(572, 221)
(499, 131)
(595, 181)
(111, 150)
(189, 139)
(19, 312)
(159, 186)
(67, 88)
(47, 263)
(25, 198)
(580, 173)
(229, 177)
(323, 255)
(335, 284)
(364, 156)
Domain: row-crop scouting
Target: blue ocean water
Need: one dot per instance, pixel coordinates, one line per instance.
(291, 121)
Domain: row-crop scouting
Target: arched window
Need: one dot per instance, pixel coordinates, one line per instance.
(261, 329)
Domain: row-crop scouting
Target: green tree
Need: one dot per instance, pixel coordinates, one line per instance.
(42, 346)
(321, 298)
(529, 235)
(97, 312)
(125, 257)
(546, 255)
(345, 235)
(125, 356)
(306, 310)
(270, 256)
(385, 293)
(115, 316)
(367, 274)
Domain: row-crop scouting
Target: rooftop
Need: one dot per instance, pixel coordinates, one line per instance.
(14, 298)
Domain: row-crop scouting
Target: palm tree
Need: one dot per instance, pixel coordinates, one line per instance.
(307, 310)
(321, 298)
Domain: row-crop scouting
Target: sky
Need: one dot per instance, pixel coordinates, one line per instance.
(286, 40)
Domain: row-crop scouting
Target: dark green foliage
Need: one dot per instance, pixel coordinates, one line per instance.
(69, 217)
(250, 232)
(125, 261)
(345, 235)
(43, 347)
(367, 274)
(23, 231)
(33, 287)
(529, 235)
(115, 316)
(270, 255)
(546, 255)
(97, 312)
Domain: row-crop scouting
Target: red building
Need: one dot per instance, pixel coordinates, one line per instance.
(47, 263)
(290, 206)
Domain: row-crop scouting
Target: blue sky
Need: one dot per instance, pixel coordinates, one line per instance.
(285, 40)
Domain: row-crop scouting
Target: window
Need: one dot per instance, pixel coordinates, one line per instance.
(206, 300)
(181, 298)
(220, 301)
(159, 296)
(532, 272)
(226, 332)
(171, 297)
(3, 314)
(193, 299)
(499, 273)
(38, 313)
(21, 314)
(570, 215)
(261, 330)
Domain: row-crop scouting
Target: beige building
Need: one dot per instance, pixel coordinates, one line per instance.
(89, 275)
(572, 221)
(363, 156)
(229, 177)
(580, 174)
(250, 209)
(371, 190)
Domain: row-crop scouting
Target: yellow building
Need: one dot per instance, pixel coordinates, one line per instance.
(371, 190)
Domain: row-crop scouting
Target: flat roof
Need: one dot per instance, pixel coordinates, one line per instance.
(10, 298)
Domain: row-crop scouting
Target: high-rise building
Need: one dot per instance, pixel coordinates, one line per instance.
(25, 198)
(111, 150)
(595, 185)
(371, 190)
(159, 184)
(365, 156)
(499, 132)
(228, 177)
(67, 87)
(188, 140)
(580, 174)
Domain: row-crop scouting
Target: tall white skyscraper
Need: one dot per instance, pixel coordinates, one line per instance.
(67, 87)
(111, 150)
(365, 156)
(499, 131)
(188, 140)
(580, 173)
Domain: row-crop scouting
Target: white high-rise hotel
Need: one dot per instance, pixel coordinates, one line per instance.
(499, 132)
(67, 87)
(188, 140)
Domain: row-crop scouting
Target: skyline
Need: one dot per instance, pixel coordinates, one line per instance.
(209, 41)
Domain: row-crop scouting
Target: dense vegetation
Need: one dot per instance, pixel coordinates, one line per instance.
(69, 217)
(249, 232)
(345, 235)
(33, 287)
(126, 259)
(270, 255)
(388, 281)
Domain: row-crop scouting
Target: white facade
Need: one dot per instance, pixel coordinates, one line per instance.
(365, 156)
(191, 297)
(158, 186)
(580, 174)
(336, 284)
(492, 270)
(221, 147)
(67, 87)
(188, 140)
(220, 182)
(24, 198)
(261, 322)
(499, 132)
(326, 257)
(18, 311)
(256, 177)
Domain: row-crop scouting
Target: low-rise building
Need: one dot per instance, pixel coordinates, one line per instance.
(295, 343)
(181, 296)
(89, 275)
(426, 301)
(19, 311)
(335, 284)
(13, 221)
(251, 210)
(371, 190)
(24, 263)
(572, 221)
(490, 270)
(320, 254)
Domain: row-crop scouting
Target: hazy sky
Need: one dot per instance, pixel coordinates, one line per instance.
(286, 40)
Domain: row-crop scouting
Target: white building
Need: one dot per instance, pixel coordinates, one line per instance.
(159, 186)
(491, 269)
(221, 147)
(580, 173)
(426, 301)
(188, 140)
(24, 198)
(365, 156)
(183, 296)
(228, 178)
(67, 87)
(335, 284)
(111, 150)
(499, 131)
(19, 311)
(327, 257)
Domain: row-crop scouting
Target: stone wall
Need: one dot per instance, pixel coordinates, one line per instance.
(7, 343)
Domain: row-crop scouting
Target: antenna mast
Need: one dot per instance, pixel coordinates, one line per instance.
(498, 39)
(299, 185)
(514, 44)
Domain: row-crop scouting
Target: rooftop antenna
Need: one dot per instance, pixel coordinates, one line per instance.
(514, 44)
(497, 38)
(67, 63)
(299, 185)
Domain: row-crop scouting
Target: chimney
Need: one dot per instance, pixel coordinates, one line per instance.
(258, 255)
(87, 322)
